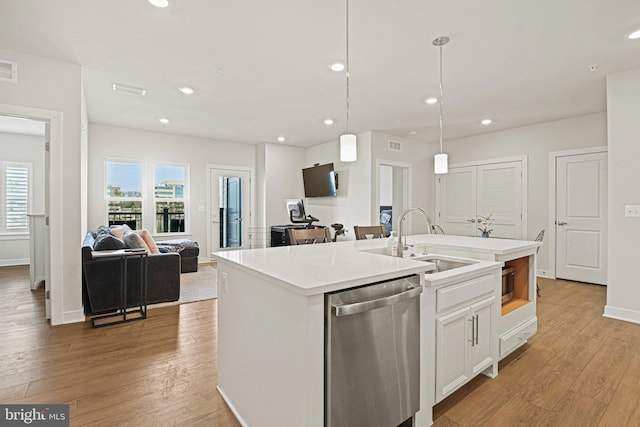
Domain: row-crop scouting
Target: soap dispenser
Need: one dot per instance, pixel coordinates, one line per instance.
(392, 244)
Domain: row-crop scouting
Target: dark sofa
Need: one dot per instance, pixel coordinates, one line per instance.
(188, 250)
(101, 280)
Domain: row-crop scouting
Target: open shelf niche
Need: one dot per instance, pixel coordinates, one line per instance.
(521, 284)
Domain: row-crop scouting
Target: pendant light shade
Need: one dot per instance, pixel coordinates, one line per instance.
(441, 163)
(348, 143)
(348, 148)
(441, 160)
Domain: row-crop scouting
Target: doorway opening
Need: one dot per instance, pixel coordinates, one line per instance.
(230, 200)
(392, 194)
(24, 168)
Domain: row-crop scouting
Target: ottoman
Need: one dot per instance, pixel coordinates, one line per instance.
(188, 250)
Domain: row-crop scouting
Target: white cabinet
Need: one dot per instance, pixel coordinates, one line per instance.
(465, 343)
(467, 193)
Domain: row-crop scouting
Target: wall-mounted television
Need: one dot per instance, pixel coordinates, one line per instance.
(319, 181)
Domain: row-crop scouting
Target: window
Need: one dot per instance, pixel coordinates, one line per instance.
(169, 198)
(16, 197)
(124, 193)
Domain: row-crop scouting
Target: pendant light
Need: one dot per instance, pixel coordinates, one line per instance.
(441, 161)
(348, 143)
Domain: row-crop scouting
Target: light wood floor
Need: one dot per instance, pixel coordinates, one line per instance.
(158, 372)
(580, 369)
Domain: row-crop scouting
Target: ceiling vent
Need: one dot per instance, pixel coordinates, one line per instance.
(8, 71)
(394, 146)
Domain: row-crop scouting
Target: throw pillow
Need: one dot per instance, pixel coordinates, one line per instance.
(148, 239)
(103, 229)
(119, 230)
(107, 242)
(133, 240)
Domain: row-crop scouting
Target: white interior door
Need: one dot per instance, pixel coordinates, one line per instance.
(457, 201)
(581, 218)
(47, 266)
(499, 187)
(230, 208)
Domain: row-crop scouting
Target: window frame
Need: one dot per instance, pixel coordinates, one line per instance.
(140, 199)
(6, 234)
(185, 199)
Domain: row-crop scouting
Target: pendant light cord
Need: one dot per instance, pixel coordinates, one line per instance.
(441, 123)
(439, 42)
(347, 70)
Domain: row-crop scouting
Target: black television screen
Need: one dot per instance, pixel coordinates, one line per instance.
(319, 181)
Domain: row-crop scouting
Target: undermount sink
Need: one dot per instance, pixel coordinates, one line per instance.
(444, 264)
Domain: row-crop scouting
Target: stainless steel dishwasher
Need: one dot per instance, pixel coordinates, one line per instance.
(372, 354)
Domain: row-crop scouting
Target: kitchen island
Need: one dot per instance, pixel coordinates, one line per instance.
(271, 321)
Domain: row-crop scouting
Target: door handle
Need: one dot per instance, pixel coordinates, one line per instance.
(471, 220)
(361, 307)
(477, 328)
(561, 222)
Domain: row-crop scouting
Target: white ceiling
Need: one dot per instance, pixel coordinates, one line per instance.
(260, 68)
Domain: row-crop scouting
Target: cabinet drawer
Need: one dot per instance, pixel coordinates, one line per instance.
(517, 336)
(464, 292)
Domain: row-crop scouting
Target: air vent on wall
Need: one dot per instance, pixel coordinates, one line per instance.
(8, 71)
(395, 146)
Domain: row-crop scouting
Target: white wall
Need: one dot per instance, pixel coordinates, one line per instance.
(47, 88)
(420, 156)
(23, 148)
(623, 110)
(282, 180)
(386, 185)
(353, 202)
(535, 141)
(125, 143)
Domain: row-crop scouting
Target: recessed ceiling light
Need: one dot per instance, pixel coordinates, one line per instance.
(431, 100)
(486, 122)
(163, 120)
(413, 132)
(186, 90)
(328, 122)
(159, 3)
(337, 66)
(281, 139)
(130, 89)
(634, 36)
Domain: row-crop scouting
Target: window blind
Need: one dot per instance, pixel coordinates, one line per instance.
(16, 198)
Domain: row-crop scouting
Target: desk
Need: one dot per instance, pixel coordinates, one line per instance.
(123, 313)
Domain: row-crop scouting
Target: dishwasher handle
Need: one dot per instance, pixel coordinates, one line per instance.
(361, 307)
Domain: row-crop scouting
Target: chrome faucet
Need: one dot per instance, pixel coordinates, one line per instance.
(401, 246)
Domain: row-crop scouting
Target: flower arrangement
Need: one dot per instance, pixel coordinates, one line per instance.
(485, 224)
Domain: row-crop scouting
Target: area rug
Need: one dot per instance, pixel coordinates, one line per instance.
(200, 285)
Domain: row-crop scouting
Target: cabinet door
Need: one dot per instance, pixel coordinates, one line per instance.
(499, 193)
(482, 335)
(457, 201)
(452, 351)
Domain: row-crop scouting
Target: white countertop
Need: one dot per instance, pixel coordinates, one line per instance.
(474, 244)
(321, 268)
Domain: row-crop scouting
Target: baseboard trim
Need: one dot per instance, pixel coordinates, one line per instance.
(233, 408)
(74, 316)
(622, 314)
(13, 262)
(544, 273)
